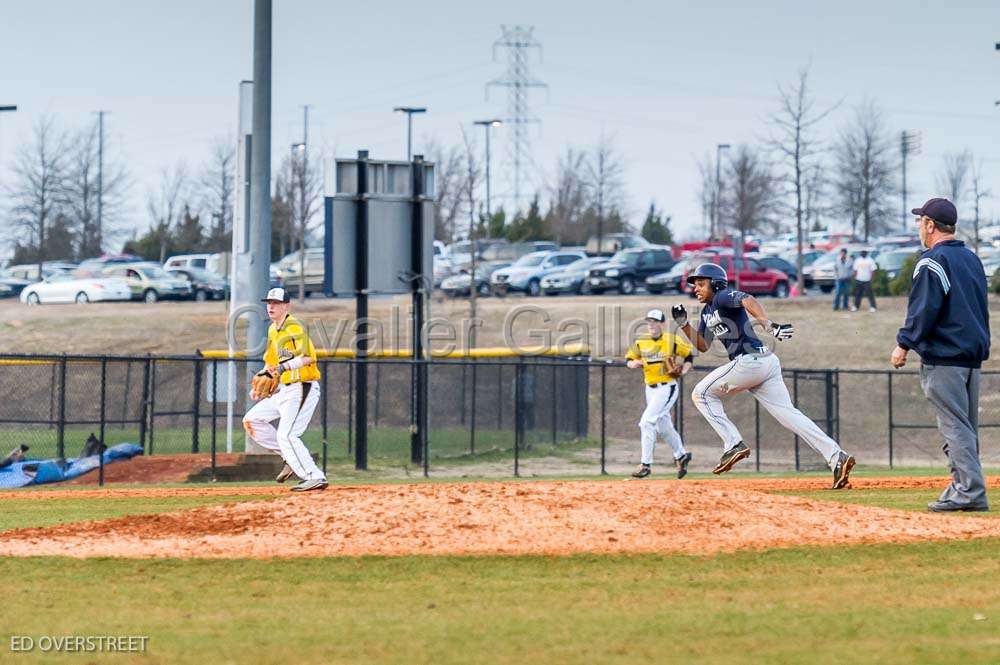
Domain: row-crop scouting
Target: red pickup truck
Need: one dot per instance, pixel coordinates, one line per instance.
(755, 279)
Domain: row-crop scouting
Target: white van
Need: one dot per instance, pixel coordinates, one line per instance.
(187, 261)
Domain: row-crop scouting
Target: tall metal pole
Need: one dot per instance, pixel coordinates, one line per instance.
(303, 175)
(12, 108)
(489, 211)
(488, 126)
(361, 315)
(260, 174)
(903, 151)
(100, 179)
(409, 111)
(418, 430)
(718, 188)
(909, 144)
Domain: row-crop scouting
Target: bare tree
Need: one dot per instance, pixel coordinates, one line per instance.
(218, 183)
(751, 194)
(866, 165)
(83, 189)
(707, 191)
(953, 180)
(167, 203)
(796, 141)
(605, 173)
(281, 212)
(569, 198)
(815, 187)
(978, 194)
(38, 189)
(282, 220)
(306, 197)
(448, 196)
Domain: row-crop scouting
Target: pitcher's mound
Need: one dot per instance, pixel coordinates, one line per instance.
(498, 518)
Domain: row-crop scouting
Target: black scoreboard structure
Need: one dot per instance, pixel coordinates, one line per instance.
(379, 239)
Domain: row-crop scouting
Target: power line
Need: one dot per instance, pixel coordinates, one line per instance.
(518, 40)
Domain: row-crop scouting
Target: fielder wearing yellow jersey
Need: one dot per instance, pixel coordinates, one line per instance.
(656, 354)
(290, 354)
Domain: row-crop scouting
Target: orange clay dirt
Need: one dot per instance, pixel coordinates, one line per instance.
(546, 517)
(156, 468)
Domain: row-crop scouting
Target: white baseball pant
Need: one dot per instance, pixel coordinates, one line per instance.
(760, 374)
(292, 406)
(656, 420)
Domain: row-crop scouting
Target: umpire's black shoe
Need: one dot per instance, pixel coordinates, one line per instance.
(952, 507)
(642, 471)
(842, 471)
(682, 465)
(731, 457)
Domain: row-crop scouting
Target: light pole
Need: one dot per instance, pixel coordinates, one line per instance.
(718, 188)
(299, 231)
(409, 111)
(909, 144)
(488, 125)
(11, 107)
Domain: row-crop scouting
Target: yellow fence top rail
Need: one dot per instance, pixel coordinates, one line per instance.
(570, 350)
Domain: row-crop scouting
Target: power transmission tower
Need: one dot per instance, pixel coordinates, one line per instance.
(518, 40)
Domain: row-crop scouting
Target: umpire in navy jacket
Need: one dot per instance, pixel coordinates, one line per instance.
(948, 325)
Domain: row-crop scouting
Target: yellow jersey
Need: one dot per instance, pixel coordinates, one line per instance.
(654, 353)
(287, 341)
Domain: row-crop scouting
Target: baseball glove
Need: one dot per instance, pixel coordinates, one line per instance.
(263, 384)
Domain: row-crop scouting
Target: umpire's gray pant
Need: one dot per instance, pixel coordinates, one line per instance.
(954, 392)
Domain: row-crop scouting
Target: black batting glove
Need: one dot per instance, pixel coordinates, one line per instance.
(782, 331)
(680, 315)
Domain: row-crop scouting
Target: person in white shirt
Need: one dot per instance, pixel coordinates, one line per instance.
(864, 268)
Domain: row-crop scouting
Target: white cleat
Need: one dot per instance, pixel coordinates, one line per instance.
(310, 485)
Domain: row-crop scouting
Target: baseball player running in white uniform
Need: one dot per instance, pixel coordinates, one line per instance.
(751, 367)
(655, 353)
(291, 356)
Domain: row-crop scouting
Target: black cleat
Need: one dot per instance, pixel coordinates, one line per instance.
(682, 465)
(731, 457)
(642, 471)
(842, 471)
(952, 507)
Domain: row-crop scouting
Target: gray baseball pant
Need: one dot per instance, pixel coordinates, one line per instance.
(760, 375)
(954, 392)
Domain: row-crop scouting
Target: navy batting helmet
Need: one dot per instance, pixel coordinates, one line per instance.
(713, 271)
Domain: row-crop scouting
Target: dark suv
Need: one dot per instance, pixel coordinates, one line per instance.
(628, 268)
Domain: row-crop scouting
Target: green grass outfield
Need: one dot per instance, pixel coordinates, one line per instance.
(917, 603)
(386, 445)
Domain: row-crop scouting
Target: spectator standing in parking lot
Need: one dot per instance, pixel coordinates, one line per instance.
(864, 269)
(843, 268)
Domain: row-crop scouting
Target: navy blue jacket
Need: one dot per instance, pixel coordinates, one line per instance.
(947, 320)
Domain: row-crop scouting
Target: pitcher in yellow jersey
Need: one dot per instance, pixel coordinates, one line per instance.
(290, 354)
(655, 353)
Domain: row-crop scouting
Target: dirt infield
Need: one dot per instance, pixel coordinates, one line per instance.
(156, 469)
(699, 517)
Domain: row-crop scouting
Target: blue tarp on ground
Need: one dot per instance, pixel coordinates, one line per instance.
(41, 471)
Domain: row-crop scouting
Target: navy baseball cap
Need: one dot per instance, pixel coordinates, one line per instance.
(941, 211)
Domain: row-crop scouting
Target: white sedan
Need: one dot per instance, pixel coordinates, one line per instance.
(63, 287)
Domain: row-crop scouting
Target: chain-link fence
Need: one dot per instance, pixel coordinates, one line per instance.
(485, 417)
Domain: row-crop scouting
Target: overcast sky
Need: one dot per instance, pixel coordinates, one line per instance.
(666, 80)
